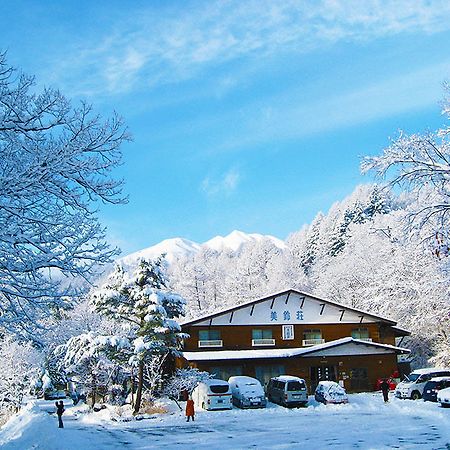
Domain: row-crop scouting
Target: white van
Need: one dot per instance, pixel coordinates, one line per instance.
(247, 392)
(413, 384)
(212, 394)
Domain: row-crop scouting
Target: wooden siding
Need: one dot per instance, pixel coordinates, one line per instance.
(377, 366)
(239, 337)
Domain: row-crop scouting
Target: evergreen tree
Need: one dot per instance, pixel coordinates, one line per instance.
(147, 310)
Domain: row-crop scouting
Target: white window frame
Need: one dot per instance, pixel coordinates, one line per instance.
(287, 332)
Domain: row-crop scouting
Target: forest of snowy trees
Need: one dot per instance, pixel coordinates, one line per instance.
(384, 249)
(359, 254)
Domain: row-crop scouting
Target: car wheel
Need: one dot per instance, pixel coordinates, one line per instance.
(415, 395)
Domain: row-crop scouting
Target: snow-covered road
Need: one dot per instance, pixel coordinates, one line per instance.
(365, 423)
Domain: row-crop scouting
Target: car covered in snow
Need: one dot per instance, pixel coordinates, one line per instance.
(433, 386)
(330, 392)
(287, 390)
(247, 392)
(443, 397)
(414, 384)
(212, 394)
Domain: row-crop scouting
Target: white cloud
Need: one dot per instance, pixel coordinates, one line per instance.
(225, 184)
(159, 46)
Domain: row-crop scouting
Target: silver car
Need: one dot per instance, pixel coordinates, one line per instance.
(287, 390)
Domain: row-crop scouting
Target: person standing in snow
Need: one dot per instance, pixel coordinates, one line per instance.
(190, 409)
(385, 390)
(59, 411)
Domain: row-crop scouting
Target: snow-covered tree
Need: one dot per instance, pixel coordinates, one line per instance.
(184, 380)
(85, 362)
(55, 163)
(147, 312)
(421, 165)
(19, 373)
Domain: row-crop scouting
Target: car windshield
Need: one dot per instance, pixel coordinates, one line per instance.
(218, 388)
(295, 386)
(412, 377)
(335, 389)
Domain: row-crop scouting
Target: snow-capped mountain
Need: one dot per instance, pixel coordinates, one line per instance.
(178, 247)
(172, 248)
(236, 239)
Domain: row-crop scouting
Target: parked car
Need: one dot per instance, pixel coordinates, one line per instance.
(443, 397)
(247, 392)
(330, 392)
(413, 385)
(212, 394)
(433, 386)
(287, 391)
(54, 394)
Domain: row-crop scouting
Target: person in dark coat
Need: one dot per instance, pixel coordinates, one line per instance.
(385, 390)
(59, 411)
(190, 409)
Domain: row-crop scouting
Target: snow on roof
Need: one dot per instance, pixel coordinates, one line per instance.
(215, 382)
(288, 378)
(280, 352)
(327, 383)
(429, 370)
(242, 379)
(440, 378)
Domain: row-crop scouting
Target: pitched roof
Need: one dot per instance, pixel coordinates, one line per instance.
(279, 294)
(285, 352)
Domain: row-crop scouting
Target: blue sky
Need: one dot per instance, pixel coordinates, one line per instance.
(249, 115)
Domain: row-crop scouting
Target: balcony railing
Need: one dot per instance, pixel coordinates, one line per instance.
(211, 343)
(367, 339)
(310, 342)
(262, 342)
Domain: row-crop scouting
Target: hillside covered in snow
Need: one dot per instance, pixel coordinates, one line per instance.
(356, 254)
(177, 248)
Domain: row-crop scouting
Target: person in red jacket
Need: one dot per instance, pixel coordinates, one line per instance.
(190, 409)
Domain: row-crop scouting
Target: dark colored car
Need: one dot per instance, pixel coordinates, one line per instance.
(432, 387)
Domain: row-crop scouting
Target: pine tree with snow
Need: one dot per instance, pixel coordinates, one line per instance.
(145, 308)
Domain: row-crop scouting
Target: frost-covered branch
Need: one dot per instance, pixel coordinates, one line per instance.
(55, 164)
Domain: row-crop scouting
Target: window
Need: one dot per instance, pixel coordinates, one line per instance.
(288, 332)
(312, 337)
(219, 388)
(209, 338)
(262, 334)
(262, 338)
(312, 334)
(209, 335)
(295, 386)
(360, 333)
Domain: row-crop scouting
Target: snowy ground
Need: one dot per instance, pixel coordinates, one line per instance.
(365, 423)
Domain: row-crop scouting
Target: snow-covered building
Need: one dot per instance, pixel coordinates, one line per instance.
(297, 334)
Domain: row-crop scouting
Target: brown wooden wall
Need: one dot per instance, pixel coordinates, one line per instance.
(377, 366)
(239, 337)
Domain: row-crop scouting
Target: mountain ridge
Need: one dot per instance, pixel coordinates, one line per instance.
(179, 247)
